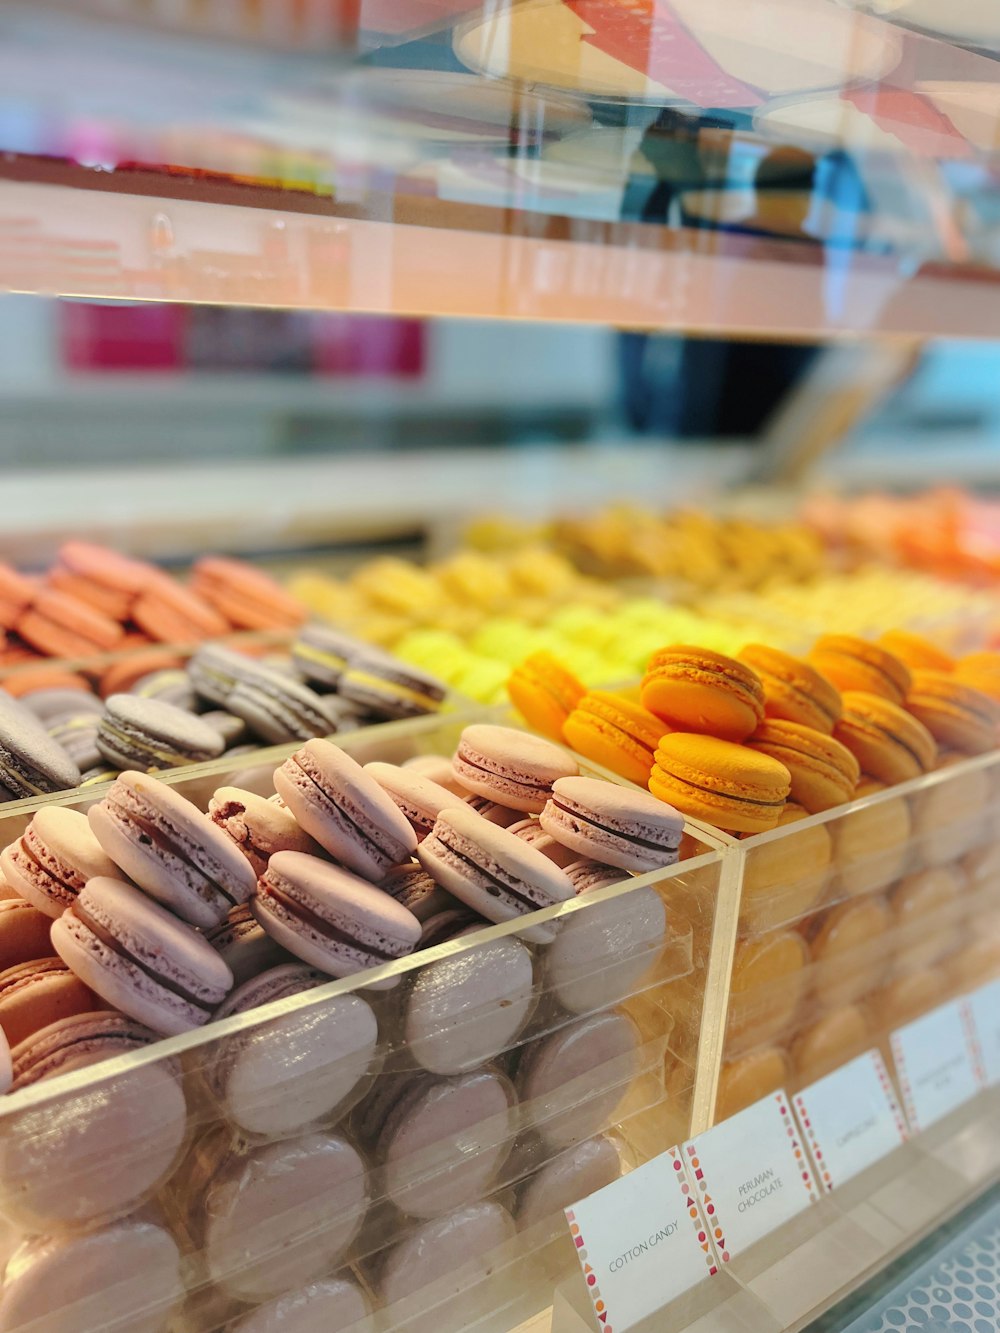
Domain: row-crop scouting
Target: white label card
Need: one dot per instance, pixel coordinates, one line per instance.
(640, 1242)
(850, 1119)
(935, 1063)
(751, 1173)
(984, 1011)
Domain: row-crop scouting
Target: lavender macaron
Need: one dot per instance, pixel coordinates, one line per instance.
(331, 919)
(333, 1304)
(148, 735)
(614, 825)
(420, 799)
(118, 1137)
(411, 886)
(245, 946)
(576, 1173)
(385, 687)
(492, 871)
(171, 849)
(140, 958)
(460, 1247)
(53, 859)
(258, 826)
(513, 768)
(345, 809)
(31, 763)
(298, 1068)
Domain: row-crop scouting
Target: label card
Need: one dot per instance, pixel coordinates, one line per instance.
(751, 1173)
(984, 1012)
(640, 1242)
(935, 1064)
(850, 1119)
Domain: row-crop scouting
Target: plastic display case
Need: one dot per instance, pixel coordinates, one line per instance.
(416, 1130)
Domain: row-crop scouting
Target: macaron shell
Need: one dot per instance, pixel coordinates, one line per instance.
(794, 691)
(257, 826)
(24, 933)
(33, 995)
(724, 784)
(616, 734)
(602, 955)
(830, 1042)
(696, 690)
(574, 1174)
(52, 861)
(823, 772)
(748, 1080)
(855, 664)
(333, 1304)
(419, 799)
(956, 714)
(460, 1246)
(632, 830)
(513, 768)
(545, 693)
(246, 596)
(889, 743)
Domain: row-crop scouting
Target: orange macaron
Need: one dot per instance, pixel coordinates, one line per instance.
(697, 690)
(957, 715)
(889, 743)
(63, 626)
(794, 691)
(824, 772)
(916, 652)
(615, 732)
(856, 664)
(545, 693)
(982, 672)
(719, 782)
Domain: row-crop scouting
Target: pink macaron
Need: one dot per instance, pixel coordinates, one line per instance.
(170, 613)
(50, 863)
(452, 1252)
(492, 871)
(333, 1304)
(614, 825)
(108, 581)
(63, 626)
(345, 809)
(258, 826)
(576, 1173)
(171, 849)
(511, 767)
(140, 958)
(420, 799)
(330, 918)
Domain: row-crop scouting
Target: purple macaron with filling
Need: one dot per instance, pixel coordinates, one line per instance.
(420, 799)
(53, 859)
(614, 825)
(460, 1247)
(411, 886)
(331, 919)
(171, 849)
(245, 946)
(258, 826)
(492, 871)
(291, 1071)
(345, 809)
(513, 768)
(140, 958)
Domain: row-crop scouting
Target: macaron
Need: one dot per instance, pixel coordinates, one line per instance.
(613, 825)
(16, 594)
(889, 743)
(794, 691)
(784, 877)
(105, 579)
(419, 799)
(154, 673)
(848, 948)
(441, 1141)
(859, 666)
(140, 958)
(77, 736)
(149, 735)
(871, 844)
(24, 933)
(530, 831)
(245, 946)
(493, 813)
(573, 1175)
(615, 732)
(492, 871)
(438, 769)
(63, 626)
(449, 1255)
(171, 849)
(385, 687)
(31, 763)
(53, 859)
(697, 690)
(56, 702)
(414, 889)
(213, 671)
(331, 919)
(906, 998)
(570, 1081)
(333, 1304)
(927, 923)
(259, 827)
(727, 785)
(281, 1076)
(950, 815)
(125, 1275)
(956, 714)
(915, 651)
(749, 1079)
(831, 1041)
(35, 994)
(463, 1010)
(604, 954)
(279, 708)
(322, 654)
(170, 613)
(244, 595)
(118, 1137)
(824, 772)
(6, 1064)
(982, 672)
(345, 809)
(545, 693)
(766, 988)
(510, 767)
(316, 1183)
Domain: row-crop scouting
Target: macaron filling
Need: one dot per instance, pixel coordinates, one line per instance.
(366, 683)
(208, 875)
(279, 894)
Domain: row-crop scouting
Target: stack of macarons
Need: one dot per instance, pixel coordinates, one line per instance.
(730, 741)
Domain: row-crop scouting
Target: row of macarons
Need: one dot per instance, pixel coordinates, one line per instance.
(222, 700)
(728, 740)
(94, 601)
(130, 889)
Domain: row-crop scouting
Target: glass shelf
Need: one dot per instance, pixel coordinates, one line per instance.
(793, 168)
